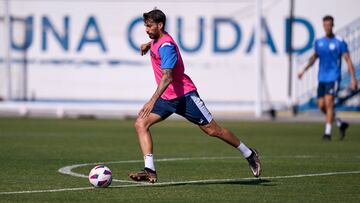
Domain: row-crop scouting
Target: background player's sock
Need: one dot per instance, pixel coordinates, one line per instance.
(246, 152)
(149, 161)
(328, 129)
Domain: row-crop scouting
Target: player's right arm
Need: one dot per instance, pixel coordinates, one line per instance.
(144, 48)
(310, 63)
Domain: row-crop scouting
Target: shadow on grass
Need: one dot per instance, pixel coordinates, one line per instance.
(259, 181)
(252, 181)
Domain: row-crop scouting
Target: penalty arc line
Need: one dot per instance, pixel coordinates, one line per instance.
(208, 181)
(67, 170)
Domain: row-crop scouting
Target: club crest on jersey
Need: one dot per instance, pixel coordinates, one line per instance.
(331, 46)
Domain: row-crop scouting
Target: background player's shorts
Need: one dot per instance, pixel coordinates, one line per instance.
(189, 106)
(327, 88)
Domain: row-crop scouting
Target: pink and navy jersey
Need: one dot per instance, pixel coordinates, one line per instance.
(181, 83)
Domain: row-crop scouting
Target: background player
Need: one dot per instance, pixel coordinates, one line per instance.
(329, 49)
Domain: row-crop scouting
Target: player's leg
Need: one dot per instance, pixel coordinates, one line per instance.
(322, 107)
(322, 91)
(329, 115)
(162, 109)
(214, 130)
(193, 109)
(326, 104)
(321, 104)
(329, 106)
(142, 127)
(342, 125)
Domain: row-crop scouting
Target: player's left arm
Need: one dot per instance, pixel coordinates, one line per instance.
(351, 68)
(168, 56)
(166, 79)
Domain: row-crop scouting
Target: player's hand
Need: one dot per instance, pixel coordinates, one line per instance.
(300, 75)
(146, 110)
(144, 48)
(354, 85)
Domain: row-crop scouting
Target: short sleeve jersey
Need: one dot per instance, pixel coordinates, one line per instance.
(168, 55)
(330, 51)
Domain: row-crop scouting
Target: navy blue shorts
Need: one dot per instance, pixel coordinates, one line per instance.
(327, 88)
(189, 106)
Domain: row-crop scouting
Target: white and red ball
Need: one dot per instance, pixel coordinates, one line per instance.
(100, 176)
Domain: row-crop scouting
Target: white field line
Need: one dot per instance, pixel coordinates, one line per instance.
(208, 181)
(68, 171)
(228, 180)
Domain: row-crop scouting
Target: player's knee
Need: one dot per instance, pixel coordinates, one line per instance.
(329, 107)
(321, 106)
(139, 124)
(213, 132)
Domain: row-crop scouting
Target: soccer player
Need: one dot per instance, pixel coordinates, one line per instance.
(330, 49)
(175, 93)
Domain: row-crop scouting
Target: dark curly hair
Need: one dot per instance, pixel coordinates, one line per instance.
(155, 15)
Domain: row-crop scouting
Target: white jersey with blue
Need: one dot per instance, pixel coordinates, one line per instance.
(330, 51)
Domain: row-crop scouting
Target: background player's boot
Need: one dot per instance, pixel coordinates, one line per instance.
(144, 175)
(342, 129)
(254, 163)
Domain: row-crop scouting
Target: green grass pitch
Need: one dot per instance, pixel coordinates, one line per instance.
(32, 151)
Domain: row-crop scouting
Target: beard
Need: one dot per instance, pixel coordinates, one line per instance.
(153, 35)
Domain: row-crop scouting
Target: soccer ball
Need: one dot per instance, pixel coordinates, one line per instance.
(100, 176)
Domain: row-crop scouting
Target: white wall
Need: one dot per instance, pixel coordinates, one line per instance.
(2, 51)
(221, 77)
